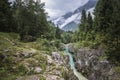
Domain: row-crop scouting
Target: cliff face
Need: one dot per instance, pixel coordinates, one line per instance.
(93, 64)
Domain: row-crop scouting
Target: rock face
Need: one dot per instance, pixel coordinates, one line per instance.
(94, 65)
(72, 48)
(56, 57)
(67, 72)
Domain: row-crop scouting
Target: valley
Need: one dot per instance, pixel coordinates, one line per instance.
(44, 40)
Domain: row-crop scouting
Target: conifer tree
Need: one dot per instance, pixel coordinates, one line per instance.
(31, 18)
(89, 21)
(6, 19)
(107, 26)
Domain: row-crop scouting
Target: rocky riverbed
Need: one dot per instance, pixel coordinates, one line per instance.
(93, 64)
(57, 68)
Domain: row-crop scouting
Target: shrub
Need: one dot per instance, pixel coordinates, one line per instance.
(117, 69)
(28, 38)
(22, 69)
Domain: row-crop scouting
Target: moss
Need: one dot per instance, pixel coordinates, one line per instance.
(42, 77)
(117, 69)
(22, 70)
(101, 58)
(9, 76)
(42, 61)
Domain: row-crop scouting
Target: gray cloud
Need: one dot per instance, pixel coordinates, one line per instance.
(56, 8)
(59, 7)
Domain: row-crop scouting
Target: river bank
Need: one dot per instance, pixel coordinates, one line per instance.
(93, 64)
(72, 64)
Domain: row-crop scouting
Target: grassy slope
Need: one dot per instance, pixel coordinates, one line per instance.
(14, 63)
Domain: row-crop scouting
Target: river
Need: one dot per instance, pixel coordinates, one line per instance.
(72, 64)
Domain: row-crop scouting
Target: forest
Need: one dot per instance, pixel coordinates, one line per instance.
(26, 21)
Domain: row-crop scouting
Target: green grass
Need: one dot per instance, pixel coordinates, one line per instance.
(117, 69)
(13, 66)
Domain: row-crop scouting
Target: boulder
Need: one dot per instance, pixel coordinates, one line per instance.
(25, 54)
(88, 62)
(71, 48)
(37, 70)
(55, 55)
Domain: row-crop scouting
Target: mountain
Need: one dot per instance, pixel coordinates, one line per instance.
(71, 20)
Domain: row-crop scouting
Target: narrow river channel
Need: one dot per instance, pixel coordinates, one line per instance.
(72, 64)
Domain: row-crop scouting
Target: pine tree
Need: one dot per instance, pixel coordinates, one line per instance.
(6, 19)
(83, 25)
(84, 17)
(107, 26)
(31, 18)
(90, 22)
(58, 33)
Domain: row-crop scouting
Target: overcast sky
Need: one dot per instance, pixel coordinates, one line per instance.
(57, 8)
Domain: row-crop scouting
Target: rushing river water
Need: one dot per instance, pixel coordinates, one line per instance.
(72, 64)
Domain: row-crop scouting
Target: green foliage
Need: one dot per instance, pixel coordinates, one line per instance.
(107, 27)
(52, 34)
(84, 17)
(103, 30)
(2, 71)
(30, 18)
(66, 37)
(22, 70)
(42, 77)
(117, 69)
(57, 43)
(85, 33)
(58, 33)
(13, 64)
(113, 53)
(6, 19)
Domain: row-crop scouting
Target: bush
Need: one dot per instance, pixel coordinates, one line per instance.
(113, 54)
(46, 43)
(2, 70)
(94, 45)
(22, 69)
(27, 38)
(117, 69)
(57, 44)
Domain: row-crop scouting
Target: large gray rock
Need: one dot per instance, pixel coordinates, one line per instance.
(25, 54)
(71, 48)
(88, 62)
(56, 57)
(37, 69)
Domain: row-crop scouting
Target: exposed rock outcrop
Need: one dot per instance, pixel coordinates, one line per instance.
(72, 48)
(94, 65)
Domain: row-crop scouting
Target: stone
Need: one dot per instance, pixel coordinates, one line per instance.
(25, 54)
(55, 55)
(71, 48)
(49, 60)
(53, 77)
(89, 64)
(33, 77)
(37, 70)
